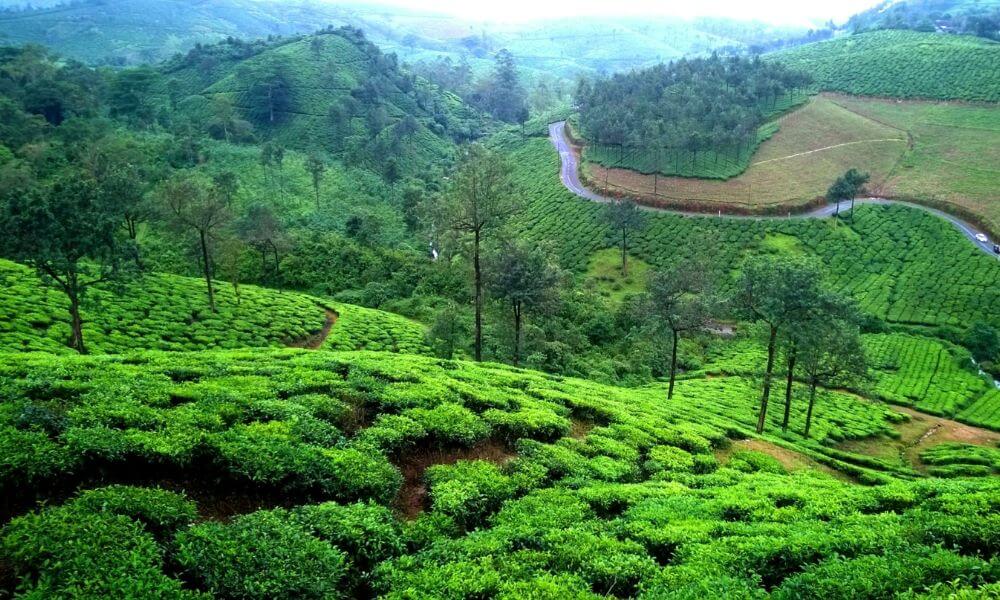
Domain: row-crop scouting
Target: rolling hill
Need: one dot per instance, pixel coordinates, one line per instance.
(169, 312)
(902, 64)
(337, 92)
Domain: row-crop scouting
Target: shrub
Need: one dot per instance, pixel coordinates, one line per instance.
(261, 555)
(450, 424)
(161, 512)
(367, 533)
(69, 552)
(468, 491)
(751, 461)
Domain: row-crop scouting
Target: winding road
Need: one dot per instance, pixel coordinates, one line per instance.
(569, 174)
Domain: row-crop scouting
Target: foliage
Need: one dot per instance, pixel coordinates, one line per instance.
(690, 106)
(260, 555)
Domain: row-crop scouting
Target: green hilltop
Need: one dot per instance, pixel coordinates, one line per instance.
(902, 64)
(333, 91)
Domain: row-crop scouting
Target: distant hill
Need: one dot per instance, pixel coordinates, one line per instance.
(334, 90)
(975, 17)
(902, 64)
(143, 31)
(146, 31)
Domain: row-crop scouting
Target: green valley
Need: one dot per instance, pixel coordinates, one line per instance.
(313, 300)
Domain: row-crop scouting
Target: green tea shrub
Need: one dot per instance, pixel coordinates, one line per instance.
(468, 491)
(161, 512)
(669, 458)
(751, 461)
(880, 575)
(367, 533)
(71, 552)
(261, 555)
(538, 423)
(448, 424)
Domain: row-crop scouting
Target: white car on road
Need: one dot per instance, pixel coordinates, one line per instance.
(982, 237)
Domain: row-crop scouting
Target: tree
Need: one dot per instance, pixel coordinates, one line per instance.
(226, 184)
(316, 167)
(626, 217)
(231, 252)
(776, 291)
(830, 352)
(268, 96)
(525, 276)
(983, 340)
(479, 199)
(501, 94)
(68, 233)
(827, 308)
(847, 187)
(677, 300)
(261, 228)
(195, 205)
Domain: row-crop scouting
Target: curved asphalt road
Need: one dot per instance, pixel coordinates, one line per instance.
(569, 174)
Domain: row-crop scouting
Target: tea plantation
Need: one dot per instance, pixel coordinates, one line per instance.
(902, 64)
(900, 264)
(168, 312)
(272, 472)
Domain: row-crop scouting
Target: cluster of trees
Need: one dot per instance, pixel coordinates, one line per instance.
(694, 105)
(931, 15)
(501, 93)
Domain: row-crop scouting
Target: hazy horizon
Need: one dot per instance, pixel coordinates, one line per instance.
(777, 12)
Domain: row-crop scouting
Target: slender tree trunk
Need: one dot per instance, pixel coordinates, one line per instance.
(624, 253)
(76, 321)
(206, 262)
(479, 299)
(809, 411)
(765, 396)
(852, 209)
(788, 387)
(517, 333)
(277, 265)
(673, 366)
(316, 186)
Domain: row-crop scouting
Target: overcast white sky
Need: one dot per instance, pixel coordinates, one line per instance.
(785, 12)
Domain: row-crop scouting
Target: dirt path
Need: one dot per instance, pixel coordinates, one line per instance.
(315, 341)
(770, 160)
(939, 430)
(920, 432)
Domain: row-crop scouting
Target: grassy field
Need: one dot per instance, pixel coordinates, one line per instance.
(900, 264)
(604, 274)
(902, 64)
(954, 160)
(812, 147)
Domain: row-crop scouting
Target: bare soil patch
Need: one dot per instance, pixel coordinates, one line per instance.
(789, 459)
(315, 341)
(412, 497)
(920, 432)
(790, 172)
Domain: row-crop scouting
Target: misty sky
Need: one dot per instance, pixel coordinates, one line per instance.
(785, 12)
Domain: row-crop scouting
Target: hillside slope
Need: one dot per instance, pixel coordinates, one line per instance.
(476, 477)
(333, 90)
(169, 312)
(902, 64)
(900, 264)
